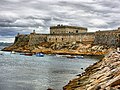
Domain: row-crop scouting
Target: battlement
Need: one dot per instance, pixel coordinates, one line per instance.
(107, 31)
(66, 26)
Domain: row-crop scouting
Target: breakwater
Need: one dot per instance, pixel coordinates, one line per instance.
(103, 75)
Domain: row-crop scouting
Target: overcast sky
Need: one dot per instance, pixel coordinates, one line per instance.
(24, 16)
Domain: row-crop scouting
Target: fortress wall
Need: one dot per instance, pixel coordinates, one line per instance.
(58, 38)
(83, 38)
(21, 40)
(36, 39)
(88, 38)
(109, 38)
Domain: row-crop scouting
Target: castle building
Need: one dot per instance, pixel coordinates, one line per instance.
(61, 33)
(69, 34)
(64, 29)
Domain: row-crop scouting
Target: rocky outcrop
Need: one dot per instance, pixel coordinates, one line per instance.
(21, 43)
(71, 48)
(103, 75)
(58, 48)
(38, 43)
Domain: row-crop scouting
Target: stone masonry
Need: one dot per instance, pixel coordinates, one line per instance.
(109, 37)
(81, 38)
(63, 29)
(71, 34)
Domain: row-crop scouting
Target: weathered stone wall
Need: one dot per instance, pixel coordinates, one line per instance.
(88, 38)
(83, 38)
(30, 40)
(60, 29)
(21, 40)
(109, 38)
(37, 39)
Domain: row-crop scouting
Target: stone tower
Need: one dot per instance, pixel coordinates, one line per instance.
(64, 29)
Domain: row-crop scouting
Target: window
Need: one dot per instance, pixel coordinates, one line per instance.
(76, 31)
(62, 39)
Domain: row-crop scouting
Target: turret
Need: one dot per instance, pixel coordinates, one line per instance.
(18, 34)
(118, 28)
(33, 32)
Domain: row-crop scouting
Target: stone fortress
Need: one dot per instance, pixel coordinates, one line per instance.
(71, 34)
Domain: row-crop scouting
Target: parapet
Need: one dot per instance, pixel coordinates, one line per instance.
(66, 26)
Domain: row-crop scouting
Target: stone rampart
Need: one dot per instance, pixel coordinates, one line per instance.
(83, 38)
(37, 39)
(21, 40)
(30, 40)
(109, 38)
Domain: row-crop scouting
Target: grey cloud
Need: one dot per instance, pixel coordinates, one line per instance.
(25, 15)
(108, 3)
(7, 31)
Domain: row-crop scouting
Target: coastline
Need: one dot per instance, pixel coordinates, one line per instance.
(103, 75)
(95, 76)
(75, 49)
(64, 52)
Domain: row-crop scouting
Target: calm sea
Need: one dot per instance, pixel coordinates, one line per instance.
(19, 72)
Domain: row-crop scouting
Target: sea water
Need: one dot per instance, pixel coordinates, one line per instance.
(19, 72)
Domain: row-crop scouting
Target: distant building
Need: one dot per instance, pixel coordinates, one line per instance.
(68, 34)
(61, 33)
(63, 29)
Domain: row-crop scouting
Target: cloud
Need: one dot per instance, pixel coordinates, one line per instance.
(7, 39)
(24, 16)
(98, 22)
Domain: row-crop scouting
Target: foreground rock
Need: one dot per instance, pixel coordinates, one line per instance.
(103, 75)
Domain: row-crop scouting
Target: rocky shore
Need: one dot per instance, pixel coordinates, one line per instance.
(61, 48)
(103, 75)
